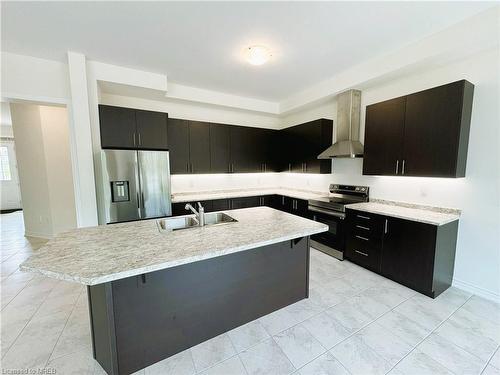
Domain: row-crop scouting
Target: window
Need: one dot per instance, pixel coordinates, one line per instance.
(4, 164)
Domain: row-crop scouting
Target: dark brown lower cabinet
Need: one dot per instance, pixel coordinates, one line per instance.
(140, 320)
(418, 255)
(245, 202)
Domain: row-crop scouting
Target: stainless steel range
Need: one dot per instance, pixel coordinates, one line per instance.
(331, 211)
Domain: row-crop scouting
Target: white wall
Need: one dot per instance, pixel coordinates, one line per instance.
(477, 265)
(42, 151)
(26, 77)
(30, 156)
(211, 182)
(55, 132)
(195, 111)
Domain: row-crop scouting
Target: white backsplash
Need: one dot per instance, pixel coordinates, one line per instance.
(212, 182)
(442, 192)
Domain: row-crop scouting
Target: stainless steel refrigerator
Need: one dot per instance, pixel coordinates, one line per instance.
(136, 185)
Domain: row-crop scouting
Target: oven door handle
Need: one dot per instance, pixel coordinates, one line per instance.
(327, 212)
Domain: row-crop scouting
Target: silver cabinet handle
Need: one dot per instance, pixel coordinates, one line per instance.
(305, 167)
(140, 142)
(289, 167)
(362, 238)
(283, 200)
(403, 167)
(397, 166)
(134, 139)
(385, 227)
(362, 227)
(360, 252)
(363, 217)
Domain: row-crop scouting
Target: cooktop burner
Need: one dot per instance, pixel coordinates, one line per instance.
(341, 195)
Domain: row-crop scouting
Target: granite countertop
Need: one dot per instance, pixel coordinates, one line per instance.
(105, 253)
(237, 193)
(422, 214)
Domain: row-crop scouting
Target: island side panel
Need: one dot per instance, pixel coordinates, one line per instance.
(162, 313)
(102, 326)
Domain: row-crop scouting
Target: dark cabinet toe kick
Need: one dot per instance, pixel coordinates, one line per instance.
(140, 320)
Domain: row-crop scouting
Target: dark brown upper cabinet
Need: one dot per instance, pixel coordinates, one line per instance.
(384, 137)
(127, 128)
(199, 146)
(118, 127)
(300, 146)
(151, 130)
(244, 151)
(189, 145)
(430, 140)
(178, 145)
(220, 151)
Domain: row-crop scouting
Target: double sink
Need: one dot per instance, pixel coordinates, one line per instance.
(187, 222)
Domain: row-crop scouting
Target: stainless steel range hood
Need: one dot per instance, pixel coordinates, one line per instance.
(347, 143)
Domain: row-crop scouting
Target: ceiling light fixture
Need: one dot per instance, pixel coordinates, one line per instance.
(258, 55)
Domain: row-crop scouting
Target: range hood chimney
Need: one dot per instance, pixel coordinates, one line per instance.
(347, 144)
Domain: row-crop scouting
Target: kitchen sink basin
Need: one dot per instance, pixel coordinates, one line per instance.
(187, 222)
(213, 218)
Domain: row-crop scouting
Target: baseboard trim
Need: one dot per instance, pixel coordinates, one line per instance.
(10, 210)
(39, 235)
(476, 290)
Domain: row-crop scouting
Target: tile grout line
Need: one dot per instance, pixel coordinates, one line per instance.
(60, 334)
(489, 360)
(24, 327)
(428, 335)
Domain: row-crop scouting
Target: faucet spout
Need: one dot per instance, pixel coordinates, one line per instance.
(200, 214)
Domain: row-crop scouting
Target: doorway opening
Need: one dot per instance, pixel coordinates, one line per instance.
(40, 147)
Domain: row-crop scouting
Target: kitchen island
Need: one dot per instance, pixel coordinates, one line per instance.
(155, 293)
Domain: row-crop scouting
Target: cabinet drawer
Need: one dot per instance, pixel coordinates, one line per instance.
(364, 253)
(365, 224)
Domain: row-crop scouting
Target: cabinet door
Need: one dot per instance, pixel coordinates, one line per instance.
(408, 253)
(178, 145)
(245, 202)
(264, 149)
(118, 127)
(220, 148)
(221, 204)
(199, 147)
(282, 203)
(432, 131)
(299, 207)
(244, 150)
(151, 130)
(384, 129)
(178, 209)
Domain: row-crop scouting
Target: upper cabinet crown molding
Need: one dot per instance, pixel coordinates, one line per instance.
(425, 134)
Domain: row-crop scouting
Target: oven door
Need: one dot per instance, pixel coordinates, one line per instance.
(331, 242)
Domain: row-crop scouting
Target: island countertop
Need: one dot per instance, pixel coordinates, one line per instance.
(100, 254)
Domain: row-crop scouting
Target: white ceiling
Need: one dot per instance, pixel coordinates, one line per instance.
(200, 43)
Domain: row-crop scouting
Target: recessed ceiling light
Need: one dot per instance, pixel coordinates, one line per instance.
(258, 55)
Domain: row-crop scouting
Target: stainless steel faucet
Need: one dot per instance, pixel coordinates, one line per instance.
(200, 214)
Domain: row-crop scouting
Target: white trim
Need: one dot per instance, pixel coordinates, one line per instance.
(12, 97)
(476, 290)
(39, 235)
